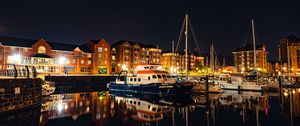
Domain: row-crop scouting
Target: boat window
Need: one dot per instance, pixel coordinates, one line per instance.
(139, 79)
(153, 109)
(164, 76)
(154, 76)
(146, 116)
(159, 76)
(159, 109)
(135, 79)
(148, 106)
(130, 102)
(151, 117)
(158, 115)
(139, 103)
(168, 76)
(148, 77)
(130, 79)
(134, 102)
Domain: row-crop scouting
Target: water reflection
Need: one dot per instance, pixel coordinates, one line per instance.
(230, 108)
(22, 118)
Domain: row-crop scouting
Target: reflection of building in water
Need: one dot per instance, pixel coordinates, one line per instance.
(293, 105)
(76, 105)
(22, 118)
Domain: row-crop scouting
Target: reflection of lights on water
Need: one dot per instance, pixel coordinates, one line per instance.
(285, 94)
(59, 106)
(88, 109)
(293, 91)
(98, 115)
(66, 106)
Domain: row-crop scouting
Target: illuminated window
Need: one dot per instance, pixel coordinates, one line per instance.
(41, 49)
(82, 61)
(99, 50)
(89, 62)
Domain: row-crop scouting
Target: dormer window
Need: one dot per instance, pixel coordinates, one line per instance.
(41, 49)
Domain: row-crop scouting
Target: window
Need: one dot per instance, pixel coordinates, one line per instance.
(82, 61)
(99, 49)
(73, 61)
(113, 57)
(130, 79)
(134, 79)
(41, 49)
(159, 76)
(89, 62)
(89, 55)
(105, 49)
(139, 79)
(148, 77)
(154, 76)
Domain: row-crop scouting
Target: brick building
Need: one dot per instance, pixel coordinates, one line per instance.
(244, 58)
(126, 54)
(292, 43)
(48, 57)
(175, 62)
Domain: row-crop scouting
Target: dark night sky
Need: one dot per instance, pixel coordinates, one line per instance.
(223, 22)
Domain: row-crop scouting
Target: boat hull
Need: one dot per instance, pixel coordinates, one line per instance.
(242, 87)
(162, 89)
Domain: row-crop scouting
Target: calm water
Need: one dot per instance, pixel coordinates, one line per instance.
(105, 108)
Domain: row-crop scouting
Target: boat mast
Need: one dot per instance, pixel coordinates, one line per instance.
(254, 46)
(172, 56)
(212, 59)
(186, 45)
(288, 58)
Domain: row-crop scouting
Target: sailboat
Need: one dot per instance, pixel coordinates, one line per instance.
(199, 88)
(151, 79)
(226, 81)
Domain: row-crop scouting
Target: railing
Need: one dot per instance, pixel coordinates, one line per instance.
(15, 71)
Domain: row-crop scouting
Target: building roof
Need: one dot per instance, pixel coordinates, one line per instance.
(249, 47)
(42, 55)
(292, 38)
(132, 43)
(13, 41)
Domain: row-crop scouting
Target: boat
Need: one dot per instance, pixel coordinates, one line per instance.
(149, 79)
(228, 82)
(48, 88)
(201, 88)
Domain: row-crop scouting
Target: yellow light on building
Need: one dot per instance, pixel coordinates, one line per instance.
(293, 91)
(62, 60)
(124, 67)
(285, 94)
(17, 58)
(243, 69)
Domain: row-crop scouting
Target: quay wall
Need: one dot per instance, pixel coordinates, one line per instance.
(80, 80)
(19, 93)
(70, 84)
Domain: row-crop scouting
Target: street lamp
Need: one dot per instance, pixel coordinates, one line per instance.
(17, 58)
(62, 61)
